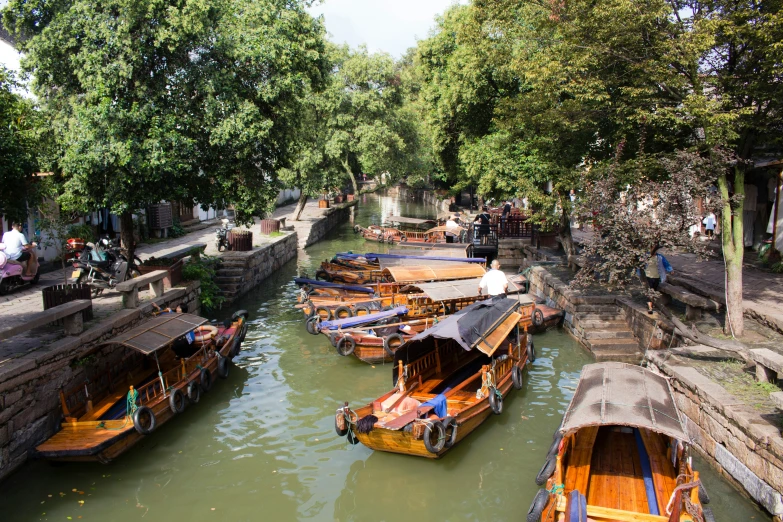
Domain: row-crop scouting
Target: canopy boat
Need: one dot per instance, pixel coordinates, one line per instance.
(408, 223)
(368, 268)
(448, 379)
(391, 235)
(621, 453)
(160, 366)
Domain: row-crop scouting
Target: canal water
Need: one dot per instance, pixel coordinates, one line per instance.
(261, 445)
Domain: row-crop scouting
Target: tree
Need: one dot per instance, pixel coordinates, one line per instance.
(19, 131)
(365, 131)
(169, 100)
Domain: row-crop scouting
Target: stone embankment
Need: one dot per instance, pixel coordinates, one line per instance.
(30, 383)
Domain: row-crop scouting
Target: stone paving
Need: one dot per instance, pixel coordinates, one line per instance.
(17, 306)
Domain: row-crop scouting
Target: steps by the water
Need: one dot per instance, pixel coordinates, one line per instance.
(603, 330)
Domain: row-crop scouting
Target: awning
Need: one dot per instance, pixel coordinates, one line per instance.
(483, 326)
(421, 273)
(612, 394)
(158, 332)
(361, 319)
(462, 288)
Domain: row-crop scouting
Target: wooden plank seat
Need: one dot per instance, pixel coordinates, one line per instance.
(70, 313)
(694, 303)
(130, 288)
(769, 365)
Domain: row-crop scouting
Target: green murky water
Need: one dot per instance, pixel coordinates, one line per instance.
(261, 444)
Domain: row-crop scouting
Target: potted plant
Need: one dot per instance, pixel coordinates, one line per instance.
(173, 267)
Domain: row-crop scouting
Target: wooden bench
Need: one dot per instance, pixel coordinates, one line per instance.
(769, 365)
(70, 313)
(694, 303)
(130, 288)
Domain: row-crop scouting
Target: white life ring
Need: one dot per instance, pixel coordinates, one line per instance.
(204, 333)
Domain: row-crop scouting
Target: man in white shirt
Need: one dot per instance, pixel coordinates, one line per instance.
(16, 248)
(494, 281)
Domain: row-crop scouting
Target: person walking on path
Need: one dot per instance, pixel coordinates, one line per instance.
(709, 225)
(495, 281)
(655, 271)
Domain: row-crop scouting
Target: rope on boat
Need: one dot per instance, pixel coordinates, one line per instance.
(557, 489)
(130, 409)
(690, 508)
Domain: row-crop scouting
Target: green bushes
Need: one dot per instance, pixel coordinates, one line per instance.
(203, 269)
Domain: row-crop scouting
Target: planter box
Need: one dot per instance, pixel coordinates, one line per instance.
(323, 203)
(350, 197)
(173, 273)
(270, 225)
(546, 240)
(61, 294)
(240, 240)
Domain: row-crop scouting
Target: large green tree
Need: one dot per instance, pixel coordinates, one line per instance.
(153, 100)
(20, 126)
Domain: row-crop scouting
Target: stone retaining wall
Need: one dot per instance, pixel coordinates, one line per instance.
(30, 409)
(740, 443)
(240, 272)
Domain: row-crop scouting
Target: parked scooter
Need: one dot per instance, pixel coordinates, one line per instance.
(104, 267)
(11, 273)
(221, 235)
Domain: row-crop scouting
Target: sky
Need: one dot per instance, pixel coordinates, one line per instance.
(384, 25)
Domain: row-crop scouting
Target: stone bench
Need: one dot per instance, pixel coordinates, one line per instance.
(694, 303)
(768, 364)
(70, 313)
(130, 288)
(183, 252)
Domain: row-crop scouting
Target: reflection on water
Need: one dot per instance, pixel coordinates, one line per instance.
(261, 444)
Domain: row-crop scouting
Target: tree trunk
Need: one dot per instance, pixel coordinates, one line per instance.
(565, 234)
(733, 251)
(128, 241)
(348, 171)
(300, 206)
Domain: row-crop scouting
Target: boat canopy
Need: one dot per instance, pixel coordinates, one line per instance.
(422, 273)
(411, 221)
(462, 248)
(349, 322)
(158, 332)
(612, 394)
(444, 228)
(424, 257)
(326, 284)
(483, 326)
(460, 289)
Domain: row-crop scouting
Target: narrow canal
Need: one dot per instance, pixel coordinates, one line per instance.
(261, 445)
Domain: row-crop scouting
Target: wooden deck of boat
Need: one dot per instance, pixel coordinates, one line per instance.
(605, 463)
(82, 437)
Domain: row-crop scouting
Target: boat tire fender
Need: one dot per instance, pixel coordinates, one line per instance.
(361, 308)
(340, 432)
(531, 352)
(309, 309)
(546, 470)
(451, 436)
(707, 513)
(235, 347)
(342, 310)
(434, 428)
(537, 506)
(243, 334)
(333, 338)
(538, 317)
(138, 422)
(323, 310)
(517, 377)
(222, 367)
(403, 238)
(206, 380)
(194, 392)
(554, 449)
(312, 325)
(387, 343)
(346, 345)
(177, 401)
(495, 402)
(240, 313)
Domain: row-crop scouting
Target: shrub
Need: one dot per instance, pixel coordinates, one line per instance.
(158, 261)
(204, 269)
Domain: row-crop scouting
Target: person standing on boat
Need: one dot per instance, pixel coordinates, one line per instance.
(495, 281)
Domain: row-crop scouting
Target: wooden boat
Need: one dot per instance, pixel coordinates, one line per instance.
(448, 379)
(545, 318)
(392, 235)
(153, 375)
(333, 272)
(621, 453)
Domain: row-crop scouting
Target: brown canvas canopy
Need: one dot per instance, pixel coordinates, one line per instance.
(418, 274)
(411, 221)
(158, 332)
(618, 394)
(462, 288)
(423, 251)
(444, 228)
